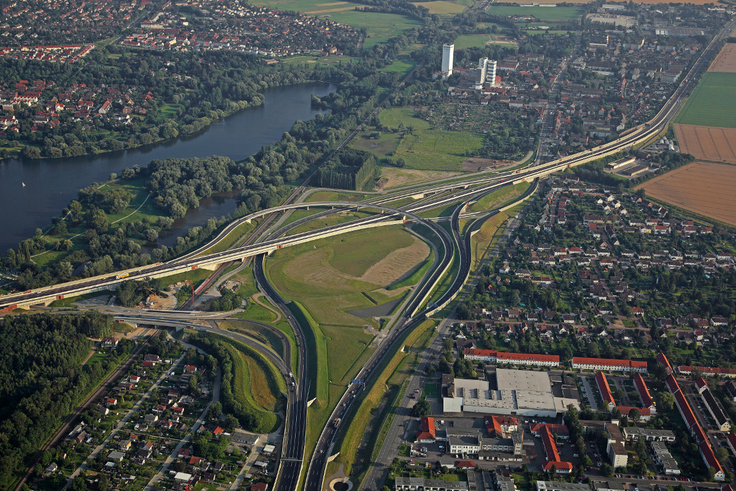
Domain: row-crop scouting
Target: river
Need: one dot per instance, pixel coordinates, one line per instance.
(51, 183)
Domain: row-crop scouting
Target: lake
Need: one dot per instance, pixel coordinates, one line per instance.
(51, 183)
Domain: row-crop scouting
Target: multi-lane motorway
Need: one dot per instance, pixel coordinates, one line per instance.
(462, 192)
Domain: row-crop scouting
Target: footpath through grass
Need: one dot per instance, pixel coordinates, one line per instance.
(481, 241)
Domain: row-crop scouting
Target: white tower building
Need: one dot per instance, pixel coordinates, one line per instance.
(491, 71)
(448, 58)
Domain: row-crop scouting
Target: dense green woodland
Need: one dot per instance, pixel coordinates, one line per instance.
(42, 380)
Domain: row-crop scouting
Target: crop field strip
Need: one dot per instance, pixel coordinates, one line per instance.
(707, 143)
(726, 60)
(712, 103)
(701, 187)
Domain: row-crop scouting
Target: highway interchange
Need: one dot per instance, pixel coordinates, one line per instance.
(460, 193)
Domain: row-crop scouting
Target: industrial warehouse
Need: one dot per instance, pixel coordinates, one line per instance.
(516, 393)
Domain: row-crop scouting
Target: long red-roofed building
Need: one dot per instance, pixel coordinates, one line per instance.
(707, 371)
(604, 389)
(582, 363)
(701, 438)
(493, 356)
(664, 361)
(646, 397)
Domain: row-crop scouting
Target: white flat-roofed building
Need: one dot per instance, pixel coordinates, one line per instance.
(664, 459)
(633, 433)
(561, 486)
(417, 483)
(519, 393)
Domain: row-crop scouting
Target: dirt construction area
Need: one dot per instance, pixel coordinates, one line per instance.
(726, 60)
(707, 143)
(704, 188)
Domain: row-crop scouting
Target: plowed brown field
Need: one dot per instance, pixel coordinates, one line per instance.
(707, 143)
(726, 60)
(701, 187)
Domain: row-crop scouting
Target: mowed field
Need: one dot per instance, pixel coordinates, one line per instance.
(550, 14)
(707, 142)
(726, 60)
(704, 188)
(712, 103)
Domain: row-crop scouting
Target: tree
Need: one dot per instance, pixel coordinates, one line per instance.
(79, 484)
(421, 408)
(665, 401)
(102, 482)
(722, 455)
(215, 411)
(607, 469)
(634, 415)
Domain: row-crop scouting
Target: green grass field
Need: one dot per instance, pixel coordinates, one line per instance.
(257, 384)
(559, 14)
(239, 231)
(441, 7)
(382, 147)
(337, 343)
(499, 197)
(380, 27)
(399, 66)
(402, 115)
(471, 41)
(712, 103)
(437, 150)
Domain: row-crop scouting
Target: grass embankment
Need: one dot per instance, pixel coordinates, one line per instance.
(499, 197)
(260, 333)
(256, 384)
(364, 424)
(489, 232)
(327, 221)
(239, 232)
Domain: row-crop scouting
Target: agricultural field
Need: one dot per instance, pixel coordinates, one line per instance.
(380, 26)
(549, 14)
(725, 62)
(704, 188)
(441, 7)
(712, 103)
(707, 142)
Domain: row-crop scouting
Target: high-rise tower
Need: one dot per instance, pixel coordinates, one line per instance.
(448, 58)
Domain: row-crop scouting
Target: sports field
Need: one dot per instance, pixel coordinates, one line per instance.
(481, 40)
(726, 60)
(707, 142)
(550, 14)
(704, 188)
(712, 103)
